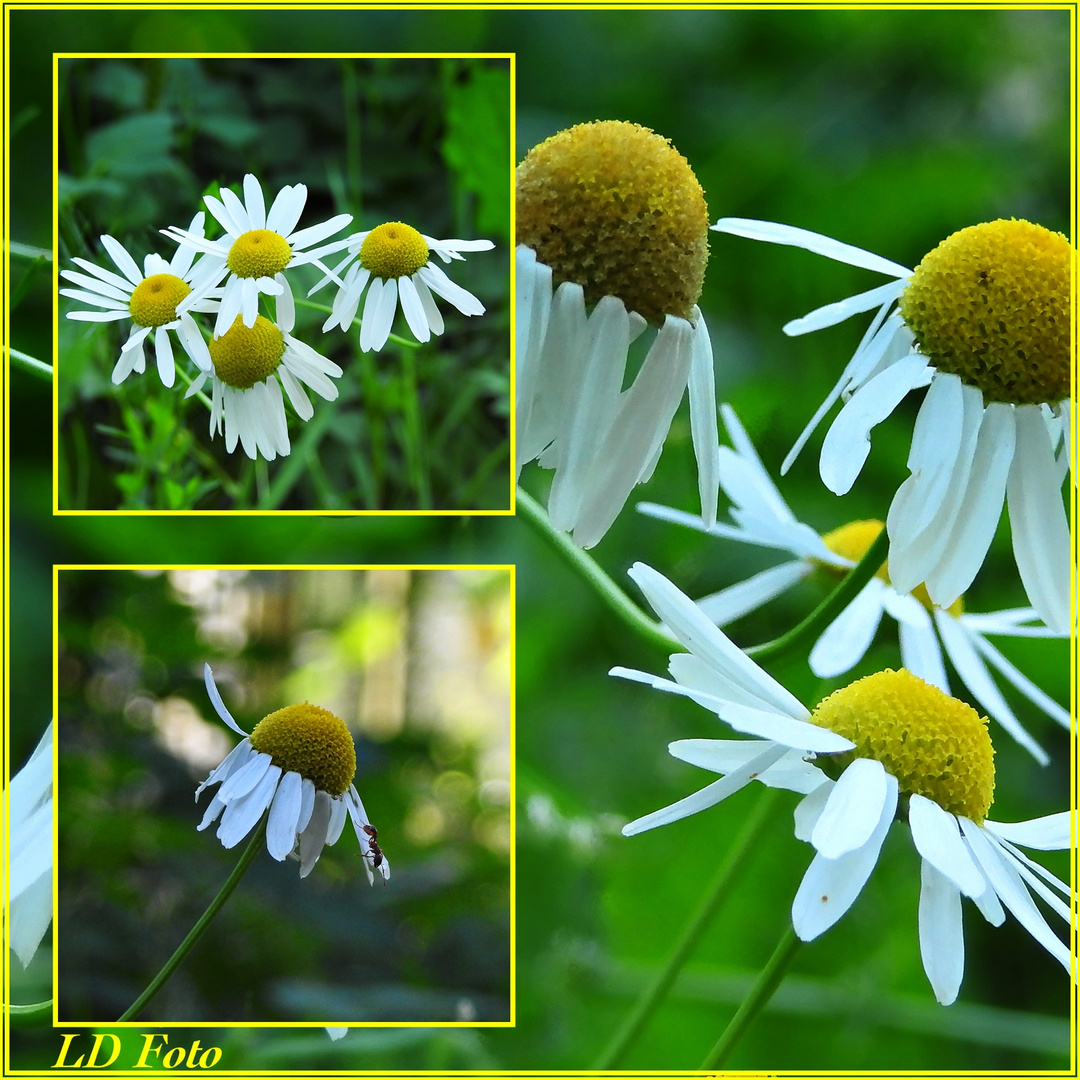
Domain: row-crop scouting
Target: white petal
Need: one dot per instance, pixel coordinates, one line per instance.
(703, 429)
(285, 305)
(920, 652)
(236, 210)
(241, 816)
(811, 808)
(297, 398)
(281, 825)
(253, 201)
(847, 443)
(791, 772)
(124, 262)
(853, 809)
(845, 640)
(437, 281)
(378, 313)
(1022, 683)
(236, 759)
(775, 233)
(164, 354)
(941, 934)
(732, 603)
(1050, 833)
(313, 838)
(830, 886)
(831, 314)
(307, 804)
(245, 779)
(1040, 527)
(338, 814)
(708, 796)
(314, 233)
(219, 705)
(286, 209)
(413, 309)
(936, 835)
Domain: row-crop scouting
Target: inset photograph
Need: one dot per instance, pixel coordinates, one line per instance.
(283, 283)
(284, 796)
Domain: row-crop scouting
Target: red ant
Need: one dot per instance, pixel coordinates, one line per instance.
(376, 854)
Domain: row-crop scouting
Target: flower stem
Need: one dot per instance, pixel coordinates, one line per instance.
(770, 978)
(717, 894)
(831, 606)
(585, 565)
(30, 364)
(37, 1015)
(196, 931)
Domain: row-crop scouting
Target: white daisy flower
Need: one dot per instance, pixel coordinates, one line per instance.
(257, 248)
(30, 854)
(151, 298)
(393, 262)
(246, 366)
(761, 517)
(885, 743)
(612, 230)
(298, 764)
(984, 322)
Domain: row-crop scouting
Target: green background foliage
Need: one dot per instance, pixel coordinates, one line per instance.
(888, 129)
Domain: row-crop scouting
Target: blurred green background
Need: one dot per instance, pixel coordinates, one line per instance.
(887, 129)
(424, 141)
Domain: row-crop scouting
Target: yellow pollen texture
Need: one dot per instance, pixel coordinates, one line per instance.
(393, 250)
(310, 741)
(153, 301)
(933, 744)
(259, 253)
(852, 541)
(615, 208)
(245, 355)
(991, 304)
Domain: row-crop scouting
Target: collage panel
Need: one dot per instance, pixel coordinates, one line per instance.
(284, 283)
(271, 740)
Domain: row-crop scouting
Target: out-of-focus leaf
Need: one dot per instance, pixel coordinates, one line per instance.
(134, 147)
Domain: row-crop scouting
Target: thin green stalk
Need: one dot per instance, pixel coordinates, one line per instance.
(763, 989)
(585, 565)
(717, 893)
(414, 431)
(824, 614)
(199, 394)
(197, 930)
(37, 1015)
(28, 251)
(29, 364)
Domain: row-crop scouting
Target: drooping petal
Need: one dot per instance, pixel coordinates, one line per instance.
(281, 825)
(941, 934)
(853, 810)
(703, 428)
(936, 835)
(219, 705)
(845, 640)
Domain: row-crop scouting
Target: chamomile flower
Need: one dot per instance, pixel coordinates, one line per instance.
(885, 744)
(30, 855)
(983, 321)
(297, 766)
(257, 248)
(249, 366)
(151, 298)
(612, 233)
(393, 262)
(927, 631)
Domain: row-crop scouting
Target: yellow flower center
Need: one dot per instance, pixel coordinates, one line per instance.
(852, 542)
(393, 250)
(310, 741)
(154, 300)
(259, 253)
(245, 355)
(933, 744)
(991, 304)
(616, 208)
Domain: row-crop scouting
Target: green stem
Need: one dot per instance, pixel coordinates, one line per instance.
(28, 251)
(414, 431)
(30, 364)
(824, 614)
(716, 895)
(760, 993)
(197, 930)
(199, 394)
(36, 1015)
(585, 565)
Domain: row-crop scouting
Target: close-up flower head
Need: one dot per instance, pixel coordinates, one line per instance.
(393, 262)
(887, 746)
(983, 322)
(612, 233)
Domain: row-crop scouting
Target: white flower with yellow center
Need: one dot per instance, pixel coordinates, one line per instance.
(612, 233)
(150, 298)
(983, 321)
(761, 517)
(888, 745)
(257, 248)
(297, 764)
(393, 262)
(246, 366)
(30, 850)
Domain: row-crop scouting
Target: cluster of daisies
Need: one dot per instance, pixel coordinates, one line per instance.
(612, 247)
(252, 360)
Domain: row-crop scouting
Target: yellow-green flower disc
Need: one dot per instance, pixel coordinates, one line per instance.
(310, 741)
(615, 208)
(991, 304)
(933, 744)
(153, 301)
(393, 250)
(245, 355)
(259, 253)
(852, 541)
